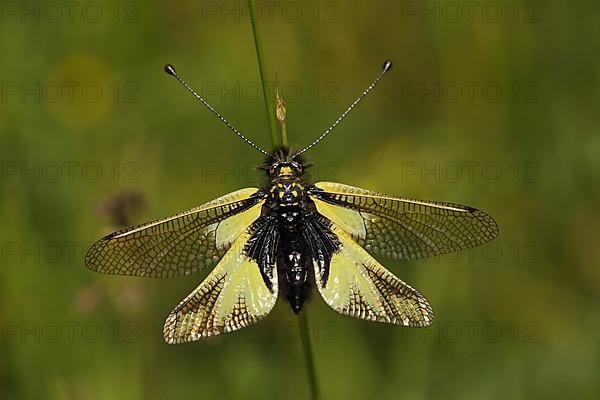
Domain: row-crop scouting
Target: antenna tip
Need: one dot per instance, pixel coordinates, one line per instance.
(387, 65)
(169, 69)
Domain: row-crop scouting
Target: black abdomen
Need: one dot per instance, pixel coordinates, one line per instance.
(294, 262)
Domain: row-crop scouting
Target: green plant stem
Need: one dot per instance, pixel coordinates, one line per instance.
(281, 140)
(308, 355)
(263, 75)
(284, 141)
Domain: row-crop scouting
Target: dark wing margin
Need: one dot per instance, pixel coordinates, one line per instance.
(179, 245)
(399, 228)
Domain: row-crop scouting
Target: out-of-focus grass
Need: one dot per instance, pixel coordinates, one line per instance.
(540, 293)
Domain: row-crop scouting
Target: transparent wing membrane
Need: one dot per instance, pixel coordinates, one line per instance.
(178, 245)
(402, 229)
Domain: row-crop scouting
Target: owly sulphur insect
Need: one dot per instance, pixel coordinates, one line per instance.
(287, 239)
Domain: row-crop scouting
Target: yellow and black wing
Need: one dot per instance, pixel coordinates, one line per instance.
(239, 291)
(355, 284)
(178, 245)
(402, 229)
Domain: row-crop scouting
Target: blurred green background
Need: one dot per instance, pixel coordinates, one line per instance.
(492, 105)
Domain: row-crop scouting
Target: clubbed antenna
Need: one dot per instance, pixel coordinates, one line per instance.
(386, 67)
(169, 69)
